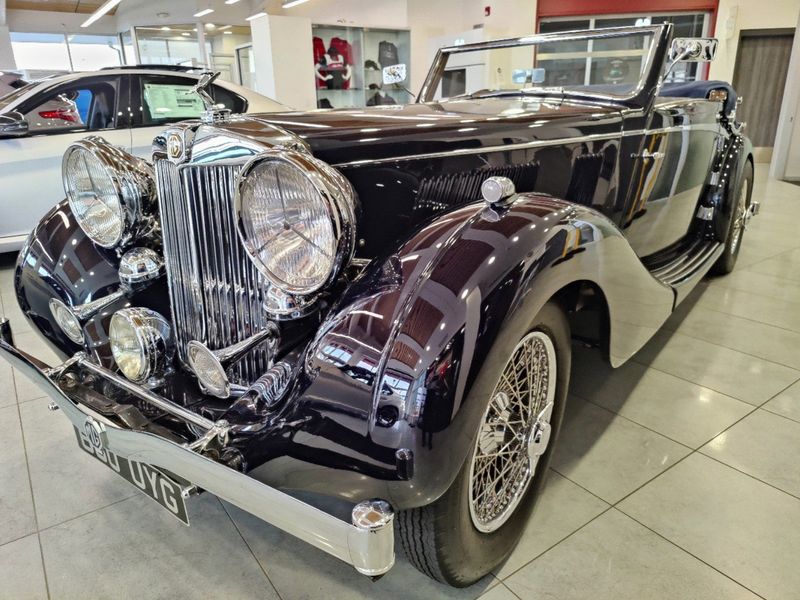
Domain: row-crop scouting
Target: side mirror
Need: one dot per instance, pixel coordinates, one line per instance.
(13, 124)
(693, 49)
(394, 74)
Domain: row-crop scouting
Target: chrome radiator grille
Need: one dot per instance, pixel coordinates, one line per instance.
(216, 293)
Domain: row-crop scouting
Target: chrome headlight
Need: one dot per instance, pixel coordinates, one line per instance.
(109, 191)
(141, 342)
(296, 219)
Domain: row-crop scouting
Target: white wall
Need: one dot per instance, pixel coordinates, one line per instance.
(284, 60)
(751, 14)
(391, 14)
(786, 152)
(439, 18)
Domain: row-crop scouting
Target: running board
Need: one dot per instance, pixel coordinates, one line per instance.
(688, 264)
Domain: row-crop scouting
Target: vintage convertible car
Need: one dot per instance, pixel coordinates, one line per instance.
(378, 305)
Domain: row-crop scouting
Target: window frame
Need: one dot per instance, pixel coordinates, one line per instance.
(38, 98)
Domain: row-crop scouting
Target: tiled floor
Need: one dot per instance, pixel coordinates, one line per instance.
(676, 477)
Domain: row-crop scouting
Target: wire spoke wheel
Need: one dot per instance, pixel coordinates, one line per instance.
(741, 218)
(514, 432)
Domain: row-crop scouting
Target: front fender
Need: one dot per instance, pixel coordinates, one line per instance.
(392, 372)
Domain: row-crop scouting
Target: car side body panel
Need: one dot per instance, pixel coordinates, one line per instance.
(423, 324)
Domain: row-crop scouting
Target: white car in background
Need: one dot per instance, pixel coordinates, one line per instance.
(128, 106)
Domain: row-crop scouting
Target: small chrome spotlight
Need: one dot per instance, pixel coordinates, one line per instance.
(208, 369)
(66, 320)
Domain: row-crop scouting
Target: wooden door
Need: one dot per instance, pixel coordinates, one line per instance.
(762, 62)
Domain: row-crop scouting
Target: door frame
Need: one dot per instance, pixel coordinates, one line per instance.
(790, 75)
(789, 113)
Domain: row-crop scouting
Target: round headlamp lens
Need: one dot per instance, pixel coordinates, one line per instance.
(141, 342)
(127, 347)
(287, 226)
(66, 320)
(93, 196)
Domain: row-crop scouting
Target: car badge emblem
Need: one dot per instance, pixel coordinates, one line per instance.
(91, 428)
(175, 146)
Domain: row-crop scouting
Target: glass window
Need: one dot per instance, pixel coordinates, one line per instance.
(169, 45)
(93, 52)
(40, 51)
(167, 98)
(50, 53)
(616, 60)
(87, 107)
(126, 39)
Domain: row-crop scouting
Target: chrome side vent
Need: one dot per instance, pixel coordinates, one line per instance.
(442, 192)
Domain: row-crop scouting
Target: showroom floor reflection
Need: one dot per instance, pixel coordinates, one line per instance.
(675, 476)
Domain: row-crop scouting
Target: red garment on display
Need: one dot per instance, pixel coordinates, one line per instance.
(319, 52)
(343, 48)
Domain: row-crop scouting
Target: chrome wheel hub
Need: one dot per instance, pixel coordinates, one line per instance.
(514, 433)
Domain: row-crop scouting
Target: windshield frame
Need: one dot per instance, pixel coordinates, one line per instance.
(649, 80)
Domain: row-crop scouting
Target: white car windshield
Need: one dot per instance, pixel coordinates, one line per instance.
(611, 64)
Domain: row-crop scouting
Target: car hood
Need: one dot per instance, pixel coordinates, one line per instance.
(343, 136)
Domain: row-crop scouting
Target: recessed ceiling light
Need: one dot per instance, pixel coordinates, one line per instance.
(231, 1)
(292, 3)
(210, 26)
(256, 16)
(165, 28)
(224, 27)
(203, 13)
(186, 34)
(228, 32)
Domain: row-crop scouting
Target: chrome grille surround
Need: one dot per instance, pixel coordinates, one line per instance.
(217, 296)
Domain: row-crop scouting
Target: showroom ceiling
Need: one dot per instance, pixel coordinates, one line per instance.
(66, 6)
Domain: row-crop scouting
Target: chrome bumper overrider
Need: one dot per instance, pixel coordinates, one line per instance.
(367, 544)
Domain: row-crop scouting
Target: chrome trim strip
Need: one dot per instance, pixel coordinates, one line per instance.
(368, 547)
(164, 404)
(594, 137)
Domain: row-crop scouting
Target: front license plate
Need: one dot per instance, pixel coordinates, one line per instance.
(146, 478)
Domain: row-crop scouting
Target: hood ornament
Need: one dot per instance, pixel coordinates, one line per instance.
(213, 113)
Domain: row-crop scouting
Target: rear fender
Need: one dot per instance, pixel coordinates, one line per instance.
(731, 169)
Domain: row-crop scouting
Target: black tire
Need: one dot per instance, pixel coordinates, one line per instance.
(441, 539)
(733, 241)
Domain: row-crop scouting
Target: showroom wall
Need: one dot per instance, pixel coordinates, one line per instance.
(747, 15)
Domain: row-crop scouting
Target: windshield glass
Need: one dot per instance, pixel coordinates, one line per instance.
(594, 62)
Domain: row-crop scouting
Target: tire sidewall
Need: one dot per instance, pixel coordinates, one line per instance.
(727, 260)
(474, 552)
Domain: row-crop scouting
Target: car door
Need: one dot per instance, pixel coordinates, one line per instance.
(168, 98)
(30, 166)
(666, 160)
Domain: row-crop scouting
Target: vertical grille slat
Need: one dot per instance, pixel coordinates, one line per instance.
(216, 293)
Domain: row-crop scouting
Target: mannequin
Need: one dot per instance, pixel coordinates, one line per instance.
(333, 69)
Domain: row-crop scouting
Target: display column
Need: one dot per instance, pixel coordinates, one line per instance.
(283, 60)
(7, 61)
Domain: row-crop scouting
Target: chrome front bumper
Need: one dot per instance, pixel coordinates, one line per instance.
(367, 543)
